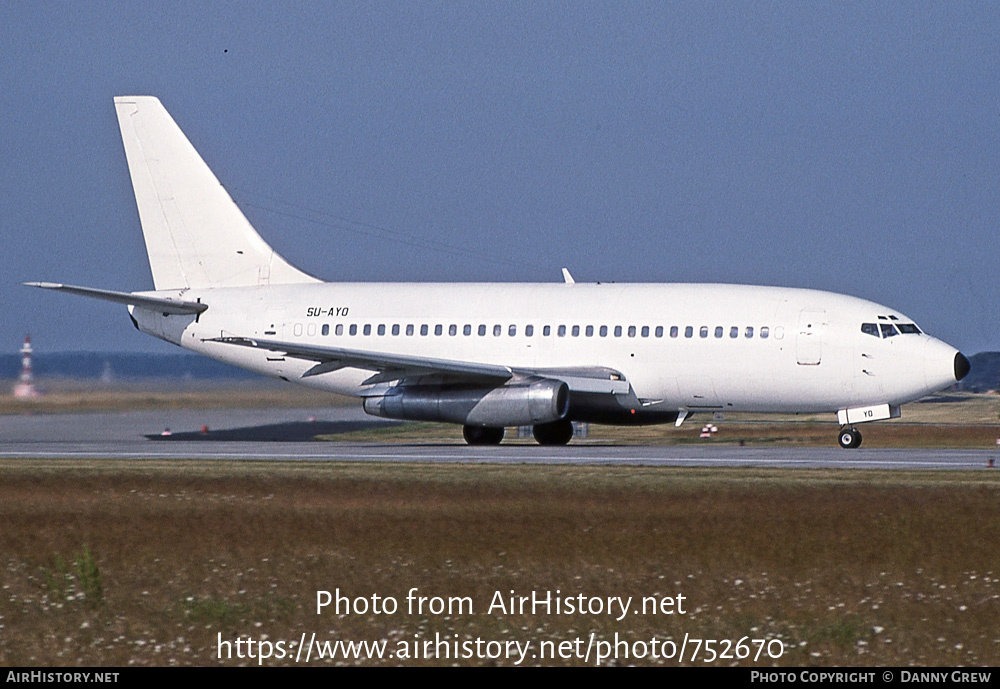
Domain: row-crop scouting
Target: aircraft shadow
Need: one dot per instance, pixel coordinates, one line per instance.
(293, 431)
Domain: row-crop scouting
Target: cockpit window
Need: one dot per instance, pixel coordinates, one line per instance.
(908, 329)
(870, 329)
(888, 330)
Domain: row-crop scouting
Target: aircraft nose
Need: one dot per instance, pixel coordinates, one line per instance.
(943, 364)
(962, 366)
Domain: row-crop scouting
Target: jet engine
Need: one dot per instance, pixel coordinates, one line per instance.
(524, 402)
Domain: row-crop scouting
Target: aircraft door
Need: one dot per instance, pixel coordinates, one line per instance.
(809, 342)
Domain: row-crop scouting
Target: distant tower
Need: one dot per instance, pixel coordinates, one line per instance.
(107, 375)
(25, 388)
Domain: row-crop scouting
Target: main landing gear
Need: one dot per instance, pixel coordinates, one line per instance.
(555, 433)
(850, 438)
(482, 435)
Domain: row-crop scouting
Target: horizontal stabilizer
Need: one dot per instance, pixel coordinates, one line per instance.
(162, 304)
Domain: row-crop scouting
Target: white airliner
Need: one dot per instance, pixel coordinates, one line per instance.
(488, 356)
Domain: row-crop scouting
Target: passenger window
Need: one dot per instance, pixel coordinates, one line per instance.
(575, 332)
(326, 329)
(395, 329)
(438, 329)
(704, 331)
(689, 331)
(497, 330)
(467, 329)
(482, 330)
(561, 331)
(764, 332)
(590, 331)
(368, 329)
(546, 330)
(339, 330)
(870, 329)
(423, 329)
(381, 328)
(512, 330)
(749, 332)
(645, 331)
(719, 330)
(529, 330)
(604, 331)
(888, 330)
(409, 329)
(734, 332)
(453, 330)
(659, 331)
(618, 331)
(631, 331)
(353, 329)
(673, 331)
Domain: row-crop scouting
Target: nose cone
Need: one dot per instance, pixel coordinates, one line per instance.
(943, 365)
(962, 366)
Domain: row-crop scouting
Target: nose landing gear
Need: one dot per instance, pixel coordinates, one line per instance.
(850, 438)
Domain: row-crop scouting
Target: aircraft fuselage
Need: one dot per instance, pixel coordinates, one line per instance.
(692, 347)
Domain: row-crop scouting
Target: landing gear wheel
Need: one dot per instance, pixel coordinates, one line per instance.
(482, 435)
(555, 433)
(850, 438)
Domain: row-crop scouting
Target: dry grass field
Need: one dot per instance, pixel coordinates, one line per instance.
(151, 563)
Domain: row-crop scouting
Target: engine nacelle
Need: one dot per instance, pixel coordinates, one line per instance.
(523, 403)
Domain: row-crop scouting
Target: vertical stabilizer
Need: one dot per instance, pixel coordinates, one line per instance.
(195, 234)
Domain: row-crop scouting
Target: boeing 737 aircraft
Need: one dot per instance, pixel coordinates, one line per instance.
(488, 356)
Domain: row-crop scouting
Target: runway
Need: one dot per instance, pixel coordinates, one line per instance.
(286, 434)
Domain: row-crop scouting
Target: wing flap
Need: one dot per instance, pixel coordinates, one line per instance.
(597, 379)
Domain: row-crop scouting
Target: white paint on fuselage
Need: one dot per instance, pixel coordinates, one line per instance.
(779, 373)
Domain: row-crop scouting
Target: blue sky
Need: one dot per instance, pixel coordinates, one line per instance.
(849, 147)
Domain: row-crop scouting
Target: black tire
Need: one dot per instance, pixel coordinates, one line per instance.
(849, 438)
(482, 435)
(555, 433)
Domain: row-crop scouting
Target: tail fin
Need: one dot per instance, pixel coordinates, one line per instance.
(195, 234)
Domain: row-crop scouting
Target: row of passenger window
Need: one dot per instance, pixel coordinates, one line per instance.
(704, 331)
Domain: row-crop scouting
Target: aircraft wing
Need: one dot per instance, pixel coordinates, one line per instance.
(397, 367)
(389, 367)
